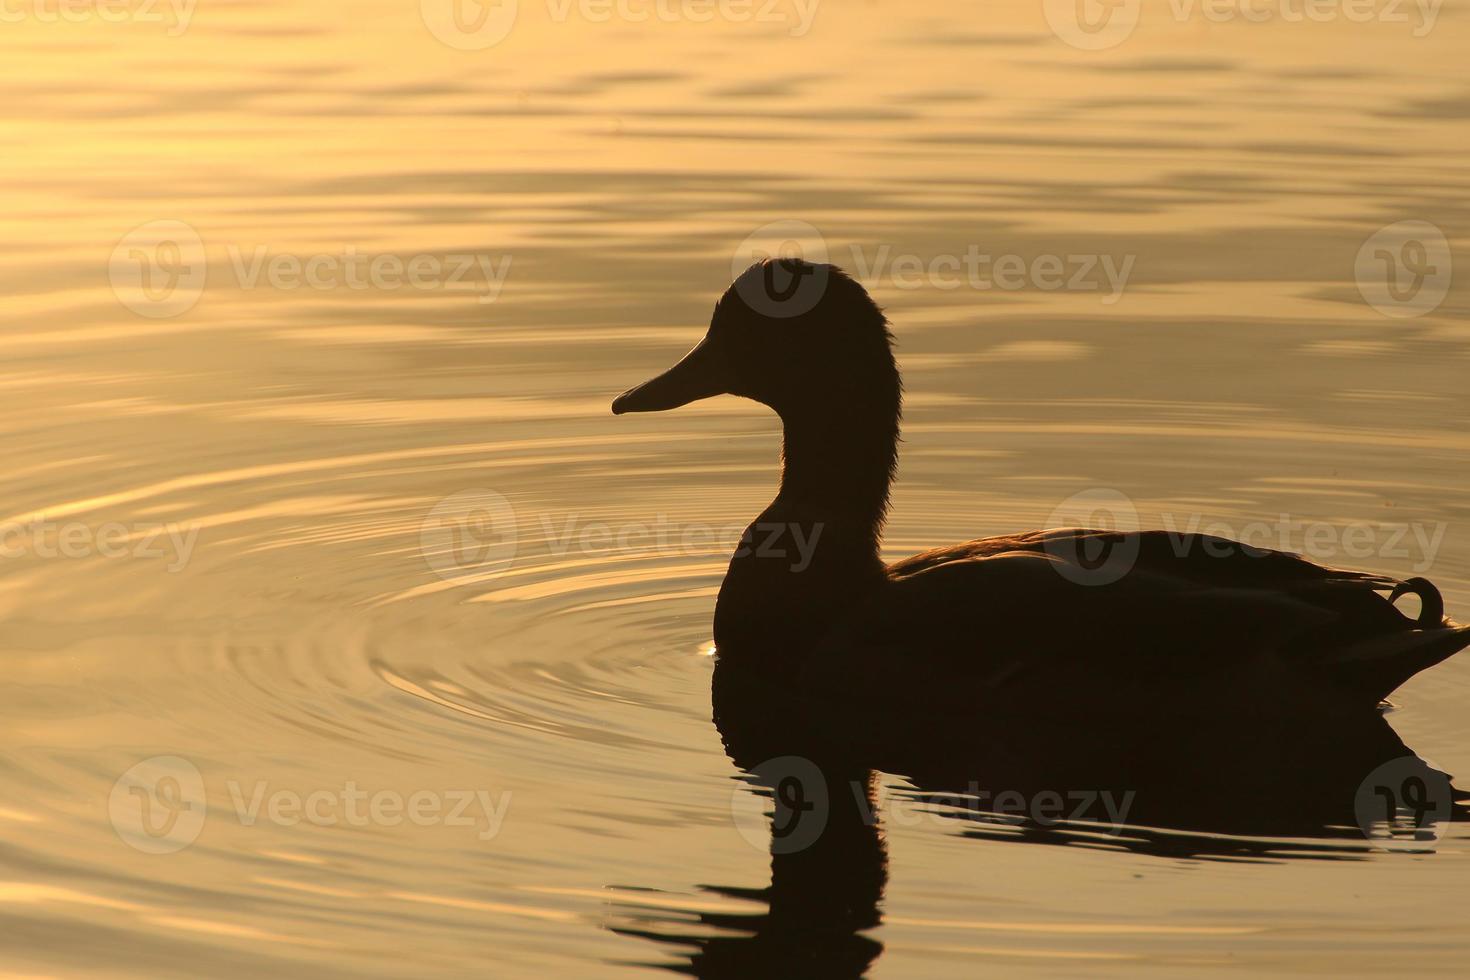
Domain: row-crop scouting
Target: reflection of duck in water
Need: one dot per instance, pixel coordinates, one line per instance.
(1065, 619)
(827, 879)
(1250, 800)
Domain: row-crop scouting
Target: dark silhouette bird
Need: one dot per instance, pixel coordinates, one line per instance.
(1057, 622)
(1228, 694)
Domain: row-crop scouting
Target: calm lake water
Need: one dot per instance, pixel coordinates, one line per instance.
(314, 504)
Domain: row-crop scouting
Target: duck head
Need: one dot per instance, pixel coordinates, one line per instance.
(802, 338)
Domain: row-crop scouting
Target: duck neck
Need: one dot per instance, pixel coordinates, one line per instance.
(836, 473)
(814, 551)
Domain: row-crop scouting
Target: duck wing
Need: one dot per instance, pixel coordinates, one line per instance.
(1081, 614)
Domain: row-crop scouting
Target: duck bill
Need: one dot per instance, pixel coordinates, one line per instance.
(701, 374)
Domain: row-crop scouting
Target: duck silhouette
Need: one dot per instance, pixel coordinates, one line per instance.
(1060, 622)
(1230, 694)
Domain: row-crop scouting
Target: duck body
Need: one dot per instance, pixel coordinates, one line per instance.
(1151, 618)
(977, 647)
(1017, 628)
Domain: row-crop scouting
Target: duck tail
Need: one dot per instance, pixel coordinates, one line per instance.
(1431, 603)
(1377, 666)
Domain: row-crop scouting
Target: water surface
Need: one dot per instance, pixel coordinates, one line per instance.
(271, 580)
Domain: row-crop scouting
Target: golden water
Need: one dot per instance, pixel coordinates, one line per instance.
(226, 498)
